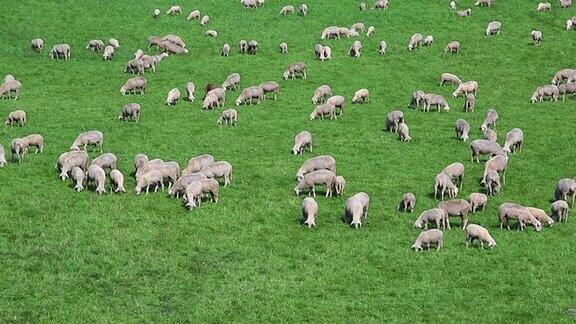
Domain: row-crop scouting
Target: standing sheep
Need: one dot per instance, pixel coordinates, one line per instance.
(2, 156)
(356, 49)
(35, 140)
(37, 44)
(148, 179)
(220, 169)
(304, 9)
(428, 238)
(477, 232)
(106, 161)
(456, 208)
(130, 111)
(370, 31)
(17, 117)
(211, 33)
(194, 15)
(470, 103)
(283, 48)
(393, 120)
(566, 188)
(156, 13)
(488, 3)
(357, 209)
(490, 135)
(431, 99)
(243, 46)
(449, 78)
(544, 6)
(323, 110)
(481, 146)
(60, 49)
(560, 210)
(191, 91)
(565, 4)
(229, 117)
(362, 6)
(96, 175)
(270, 87)
(108, 53)
(321, 93)
(179, 187)
(433, 215)
(536, 37)
(543, 91)
(173, 97)
(492, 182)
(361, 96)
(117, 181)
(541, 216)
(293, 68)
(415, 42)
(428, 40)
(408, 202)
(498, 163)
(9, 87)
(137, 84)
(464, 13)
(232, 82)
(381, 4)
(253, 47)
(249, 95)
(509, 211)
(68, 160)
(225, 50)
(456, 171)
(174, 11)
(477, 200)
(287, 10)
(442, 184)
(404, 133)
(466, 88)
(114, 42)
(78, 176)
(95, 45)
(383, 47)
(196, 164)
(19, 149)
(95, 138)
(302, 141)
(567, 88)
(323, 162)
(417, 99)
(514, 141)
(462, 130)
(452, 47)
(452, 5)
(309, 211)
(339, 185)
(491, 120)
(493, 28)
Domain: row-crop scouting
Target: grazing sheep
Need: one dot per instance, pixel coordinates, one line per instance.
(95, 45)
(393, 120)
(444, 183)
(509, 211)
(452, 5)
(287, 10)
(456, 208)
(319, 52)
(327, 52)
(339, 185)
(449, 78)
(196, 164)
(173, 97)
(194, 15)
(249, 95)
(220, 169)
(428, 238)
(541, 215)
(179, 187)
(547, 90)
(2, 156)
(565, 4)
(351, 33)
(381, 4)
(232, 82)
(174, 11)
(481, 146)
(493, 28)
(60, 49)
(338, 102)
(229, 117)
(9, 87)
(323, 110)
(37, 44)
(309, 211)
(302, 141)
(137, 84)
(225, 51)
(106, 161)
(211, 33)
(96, 175)
(293, 68)
(436, 215)
(408, 202)
(253, 47)
(560, 210)
(304, 9)
(78, 176)
(477, 232)
(117, 181)
(321, 93)
(562, 76)
(383, 47)
(9, 78)
(356, 49)
(193, 195)
(156, 13)
(357, 209)
(359, 27)
(330, 32)
(171, 48)
(569, 24)
(415, 42)
(498, 163)
(140, 160)
(456, 172)
(154, 41)
(151, 178)
(452, 47)
(417, 99)
(361, 96)
(490, 135)
(428, 40)
(470, 103)
(19, 148)
(465, 88)
(270, 87)
(477, 200)
(491, 120)
(324, 162)
(544, 6)
(431, 99)
(243, 46)
(464, 13)
(130, 111)
(68, 160)
(488, 3)
(135, 66)
(114, 42)
(108, 53)
(536, 37)
(566, 188)
(370, 31)
(492, 182)
(567, 88)
(210, 101)
(462, 130)
(17, 117)
(404, 133)
(35, 140)
(514, 141)
(362, 6)
(283, 48)
(174, 39)
(95, 138)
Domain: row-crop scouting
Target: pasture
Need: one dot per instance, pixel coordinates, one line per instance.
(68, 256)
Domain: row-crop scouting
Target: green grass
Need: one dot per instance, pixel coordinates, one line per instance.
(69, 257)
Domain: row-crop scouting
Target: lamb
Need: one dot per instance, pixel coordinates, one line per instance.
(536, 37)
(544, 6)
(270, 87)
(137, 84)
(171, 48)
(174, 11)
(130, 111)
(106, 161)
(541, 216)
(488, 3)
(562, 76)
(568, 88)
(566, 188)
(179, 187)
(309, 211)
(293, 68)
(108, 53)
(9, 87)
(331, 32)
(492, 182)
(428, 238)
(321, 93)
(2, 156)
(565, 4)
(95, 138)
(37, 44)
(323, 162)
(229, 117)
(514, 141)
(477, 200)
(173, 97)
(393, 120)
(466, 88)
(60, 49)
(456, 208)
(490, 135)
(148, 179)
(408, 202)
(462, 130)
(370, 31)
(357, 209)
(327, 52)
(383, 47)
(196, 164)
(249, 95)
(304, 9)
(417, 99)
(78, 176)
(156, 13)
(436, 215)
(452, 47)
(415, 42)
(442, 184)
(439, 101)
(381, 4)
(220, 169)
(356, 49)
(428, 40)
(449, 78)
(283, 48)
(302, 141)
(211, 33)
(19, 148)
(287, 10)
(470, 103)
(194, 15)
(243, 46)
(481, 146)
(493, 28)
(114, 42)
(17, 117)
(67, 161)
(95, 45)
(464, 13)
(491, 119)
(547, 90)
(323, 110)
(361, 96)
(560, 210)
(404, 132)
(498, 163)
(358, 27)
(477, 232)
(97, 175)
(509, 211)
(456, 172)
(253, 47)
(337, 101)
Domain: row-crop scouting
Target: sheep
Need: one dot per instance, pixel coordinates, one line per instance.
(106, 161)
(170, 171)
(562, 76)
(464, 13)
(361, 96)
(156, 13)
(196, 164)
(404, 133)
(137, 84)
(287, 10)
(566, 188)
(452, 47)
(9, 78)
(358, 27)
(302, 141)
(220, 169)
(323, 162)
(415, 42)
(95, 138)
(370, 31)
(541, 215)
(319, 52)
(436, 215)
(565, 4)
(193, 195)
(249, 95)
(381, 4)
(253, 47)
(428, 40)
(97, 175)
(270, 87)
(338, 102)
(174, 11)
(490, 135)
(68, 160)
(436, 100)
(309, 211)
(304, 9)
(491, 120)
(362, 6)
(173, 97)
(356, 49)
(179, 187)
(249, 4)
(477, 232)
(174, 39)
(130, 111)
(323, 110)
(229, 117)
(60, 49)
(470, 103)
(569, 24)
(452, 5)
(243, 46)
(456, 208)
(544, 6)
(462, 130)
(449, 78)
(108, 53)
(350, 33)
(547, 90)
(509, 211)
(536, 37)
(442, 184)
(35, 140)
(417, 99)
(139, 160)
(95, 45)
(171, 48)
(321, 93)
(148, 179)
(481, 146)
(9, 87)
(135, 66)
(456, 172)
(357, 209)
(211, 33)
(232, 82)
(383, 47)
(17, 117)
(393, 120)
(293, 68)
(117, 181)
(78, 176)
(568, 88)
(194, 15)
(211, 187)
(477, 200)
(19, 149)
(408, 202)
(498, 163)
(492, 182)
(283, 48)
(210, 101)
(493, 28)
(488, 3)
(466, 88)
(428, 238)
(330, 32)
(37, 44)
(514, 141)
(327, 52)
(560, 210)
(154, 41)
(2, 156)
(114, 42)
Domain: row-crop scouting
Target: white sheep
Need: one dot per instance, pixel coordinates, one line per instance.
(361, 96)
(493, 28)
(174, 11)
(452, 47)
(536, 37)
(449, 78)
(60, 49)
(544, 6)
(408, 202)
(95, 138)
(78, 175)
(283, 48)
(302, 141)
(383, 47)
(156, 13)
(462, 130)
(137, 84)
(357, 209)
(436, 215)
(287, 10)
(323, 162)
(37, 44)
(17, 117)
(309, 211)
(323, 110)
(428, 238)
(356, 49)
(477, 200)
(381, 4)
(2, 156)
(415, 41)
(321, 93)
(477, 232)
(117, 181)
(270, 87)
(114, 42)
(194, 15)
(205, 20)
(304, 9)
(293, 69)
(97, 175)
(211, 33)
(339, 185)
(370, 31)
(108, 53)
(249, 95)
(19, 148)
(229, 117)
(565, 4)
(173, 97)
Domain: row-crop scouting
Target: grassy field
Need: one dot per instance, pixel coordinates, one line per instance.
(67, 256)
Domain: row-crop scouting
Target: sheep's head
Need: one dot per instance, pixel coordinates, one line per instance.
(418, 223)
(286, 75)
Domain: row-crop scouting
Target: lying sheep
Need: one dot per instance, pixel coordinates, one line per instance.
(270, 87)
(137, 84)
(323, 110)
(431, 99)
(78, 176)
(19, 149)
(567, 88)
(465, 88)
(35, 140)
(106, 161)
(357, 209)
(462, 130)
(114, 42)
(95, 45)
(250, 94)
(393, 120)
(415, 42)
(492, 182)
(383, 47)
(97, 176)
(456, 171)
(229, 117)
(60, 49)
(493, 28)
(543, 91)
(321, 93)
(356, 49)
(293, 69)
(2, 156)
(536, 37)
(498, 163)
(324, 162)
(194, 15)
(220, 169)
(381, 4)
(452, 47)
(566, 188)
(68, 160)
(428, 40)
(338, 102)
(560, 210)
(302, 141)
(17, 117)
(196, 164)
(361, 96)
(433, 215)
(477, 232)
(541, 216)
(117, 181)
(514, 141)
(151, 178)
(130, 111)
(481, 146)
(477, 200)
(428, 238)
(253, 47)
(449, 78)
(443, 184)
(108, 53)
(464, 13)
(408, 202)
(544, 6)
(370, 31)
(287, 10)
(417, 99)
(491, 120)
(565, 4)
(174, 11)
(37, 44)
(404, 133)
(179, 187)
(95, 138)
(509, 211)
(488, 3)
(456, 208)
(9, 87)
(309, 211)
(211, 33)
(314, 178)
(490, 135)
(470, 103)
(173, 97)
